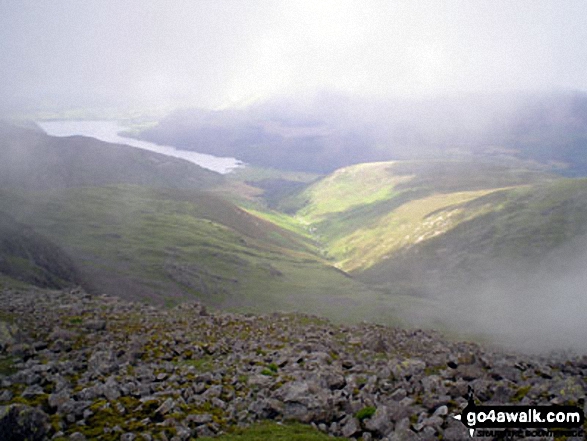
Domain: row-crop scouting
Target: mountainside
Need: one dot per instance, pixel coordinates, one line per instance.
(30, 159)
(167, 246)
(332, 131)
(363, 213)
(388, 242)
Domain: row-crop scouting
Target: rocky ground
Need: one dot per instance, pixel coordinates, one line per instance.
(80, 367)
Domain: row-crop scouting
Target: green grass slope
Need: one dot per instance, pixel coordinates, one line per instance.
(167, 246)
(365, 213)
(509, 231)
(379, 221)
(469, 247)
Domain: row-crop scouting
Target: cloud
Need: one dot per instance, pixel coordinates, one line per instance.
(229, 52)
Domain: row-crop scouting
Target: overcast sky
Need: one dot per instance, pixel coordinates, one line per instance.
(221, 53)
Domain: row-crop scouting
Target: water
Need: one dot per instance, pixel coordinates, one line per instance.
(108, 131)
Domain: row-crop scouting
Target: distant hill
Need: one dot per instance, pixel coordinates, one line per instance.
(30, 159)
(336, 131)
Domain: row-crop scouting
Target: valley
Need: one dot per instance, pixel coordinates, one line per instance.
(477, 248)
(393, 242)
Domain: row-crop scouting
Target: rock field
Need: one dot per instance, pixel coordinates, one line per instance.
(75, 366)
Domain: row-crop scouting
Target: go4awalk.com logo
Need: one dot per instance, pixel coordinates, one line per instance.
(521, 421)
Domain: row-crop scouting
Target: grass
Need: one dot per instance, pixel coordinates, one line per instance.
(409, 224)
(366, 214)
(348, 187)
(164, 246)
(274, 431)
(385, 224)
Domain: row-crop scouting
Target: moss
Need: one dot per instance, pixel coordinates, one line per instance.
(365, 412)
(242, 378)
(41, 400)
(432, 370)
(268, 372)
(273, 367)
(269, 430)
(521, 393)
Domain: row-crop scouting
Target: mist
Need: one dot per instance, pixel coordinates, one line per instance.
(526, 308)
(230, 54)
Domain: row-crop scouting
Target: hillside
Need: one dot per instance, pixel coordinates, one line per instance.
(364, 212)
(389, 242)
(30, 159)
(168, 246)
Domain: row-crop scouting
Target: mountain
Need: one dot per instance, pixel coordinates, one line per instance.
(333, 131)
(30, 159)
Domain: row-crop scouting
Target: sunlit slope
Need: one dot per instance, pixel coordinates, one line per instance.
(365, 214)
(518, 232)
(168, 246)
(408, 225)
(349, 187)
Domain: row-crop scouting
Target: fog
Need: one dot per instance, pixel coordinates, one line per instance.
(537, 309)
(229, 53)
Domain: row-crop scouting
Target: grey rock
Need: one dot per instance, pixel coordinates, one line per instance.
(381, 422)
(166, 407)
(32, 391)
(21, 350)
(95, 325)
(103, 362)
(198, 419)
(351, 427)
(441, 411)
(111, 389)
(56, 400)
(203, 431)
(8, 335)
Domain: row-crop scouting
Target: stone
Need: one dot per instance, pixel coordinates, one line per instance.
(351, 427)
(166, 407)
(56, 400)
(381, 423)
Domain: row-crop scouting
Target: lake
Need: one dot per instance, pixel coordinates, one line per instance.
(108, 131)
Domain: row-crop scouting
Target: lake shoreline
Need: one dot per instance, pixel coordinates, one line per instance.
(110, 131)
